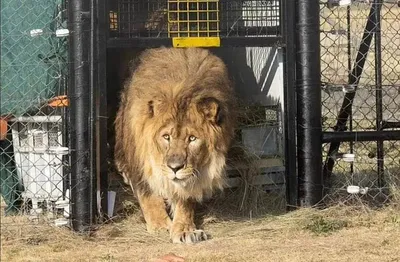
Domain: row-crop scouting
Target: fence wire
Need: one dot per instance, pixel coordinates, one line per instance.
(33, 153)
(373, 175)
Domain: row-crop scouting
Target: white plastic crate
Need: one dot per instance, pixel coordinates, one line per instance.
(38, 152)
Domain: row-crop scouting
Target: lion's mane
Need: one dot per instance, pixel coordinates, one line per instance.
(167, 83)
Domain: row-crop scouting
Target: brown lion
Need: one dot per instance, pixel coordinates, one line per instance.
(173, 130)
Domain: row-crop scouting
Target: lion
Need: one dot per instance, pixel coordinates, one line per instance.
(174, 126)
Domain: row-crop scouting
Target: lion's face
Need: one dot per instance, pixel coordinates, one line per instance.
(183, 151)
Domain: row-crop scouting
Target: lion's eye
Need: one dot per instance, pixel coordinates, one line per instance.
(166, 137)
(192, 138)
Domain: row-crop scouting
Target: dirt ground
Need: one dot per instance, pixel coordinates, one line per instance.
(339, 233)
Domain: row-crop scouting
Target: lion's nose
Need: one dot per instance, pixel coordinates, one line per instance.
(176, 162)
(175, 167)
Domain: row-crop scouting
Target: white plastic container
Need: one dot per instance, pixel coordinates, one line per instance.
(38, 152)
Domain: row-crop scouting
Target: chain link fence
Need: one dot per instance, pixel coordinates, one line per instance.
(361, 71)
(33, 153)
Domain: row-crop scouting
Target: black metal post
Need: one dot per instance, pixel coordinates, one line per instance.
(360, 136)
(354, 79)
(309, 126)
(378, 86)
(100, 80)
(289, 52)
(93, 111)
(79, 87)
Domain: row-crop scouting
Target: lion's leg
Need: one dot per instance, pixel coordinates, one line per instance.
(183, 229)
(154, 211)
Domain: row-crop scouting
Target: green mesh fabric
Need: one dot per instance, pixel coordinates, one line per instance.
(31, 67)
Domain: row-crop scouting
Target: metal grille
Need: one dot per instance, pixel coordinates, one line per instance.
(130, 18)
(188, 19)
(361, 72)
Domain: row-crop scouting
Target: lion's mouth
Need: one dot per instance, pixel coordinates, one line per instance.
(175, 179)
(181, 181)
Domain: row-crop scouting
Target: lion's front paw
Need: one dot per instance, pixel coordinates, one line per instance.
(188, 237)
(157, 225)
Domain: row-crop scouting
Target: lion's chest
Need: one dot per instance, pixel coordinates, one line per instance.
(164, 187)
(161, 185)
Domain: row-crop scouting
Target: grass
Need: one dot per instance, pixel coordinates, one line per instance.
(338, 233)
(320, 225)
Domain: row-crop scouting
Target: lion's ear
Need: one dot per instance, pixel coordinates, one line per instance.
(211, 110)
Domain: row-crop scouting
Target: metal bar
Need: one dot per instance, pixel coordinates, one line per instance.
(37, 119)
(101, 105)
(289, 52)
(79, 81)
(148, 42)
(328, 137)
(151, 42)
(354, 79)
(309, 129)
(92, 114)
(378, 85)
(255, 31)
(65, 158)
(66, 134)
(389, 124)
(348, 15)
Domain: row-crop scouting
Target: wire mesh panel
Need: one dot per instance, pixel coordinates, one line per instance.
(361, 80)
(193, 18)
(33, 152)
(211, 18)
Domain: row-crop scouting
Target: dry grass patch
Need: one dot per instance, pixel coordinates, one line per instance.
(338, 233)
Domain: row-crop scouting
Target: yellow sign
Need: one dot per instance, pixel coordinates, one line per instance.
(196, 42)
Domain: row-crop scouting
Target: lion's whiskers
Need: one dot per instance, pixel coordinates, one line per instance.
(196, 172)
(165, 168)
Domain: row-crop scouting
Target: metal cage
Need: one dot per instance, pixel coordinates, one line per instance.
(205, 23)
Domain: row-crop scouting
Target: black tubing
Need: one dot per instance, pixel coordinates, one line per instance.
(79, 91)
(309, 127)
